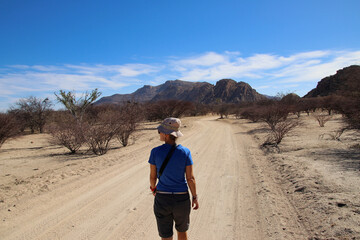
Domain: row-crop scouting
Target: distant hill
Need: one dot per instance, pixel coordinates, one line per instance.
(344, 81)
(225, 90)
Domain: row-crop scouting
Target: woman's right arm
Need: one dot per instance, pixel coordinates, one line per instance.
(153, 176)
(192, 185)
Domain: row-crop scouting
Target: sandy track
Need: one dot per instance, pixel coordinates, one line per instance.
(238, 198)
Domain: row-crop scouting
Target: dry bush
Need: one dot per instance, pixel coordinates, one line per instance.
(308, 105)
(124, 133)
(112, 121)
(199, 109)
(349, 107)
(321, 118)
(251, 113)
(68, 132)
(279, 131)
(103, 125)
(273, 114)
(170, 108)
(131, 114)
(223, 109)
(99, 136)
(8, 127)
(32, 112)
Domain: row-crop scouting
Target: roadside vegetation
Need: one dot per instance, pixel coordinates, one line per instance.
(84, 124)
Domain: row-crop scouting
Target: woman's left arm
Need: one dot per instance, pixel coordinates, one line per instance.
(153, 176)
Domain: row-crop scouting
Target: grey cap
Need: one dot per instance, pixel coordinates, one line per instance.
(171, 126)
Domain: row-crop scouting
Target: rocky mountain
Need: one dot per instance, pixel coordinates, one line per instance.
(344, 81)
(225, 90)
(230, 91)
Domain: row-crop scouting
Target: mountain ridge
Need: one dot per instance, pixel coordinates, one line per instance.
(225, 90)
(345, 81)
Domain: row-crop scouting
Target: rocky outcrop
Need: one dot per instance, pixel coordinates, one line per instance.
(345, 81)
(225, 90)
(230, 91)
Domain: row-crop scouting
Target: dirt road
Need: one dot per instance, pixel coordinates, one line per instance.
(237, 195)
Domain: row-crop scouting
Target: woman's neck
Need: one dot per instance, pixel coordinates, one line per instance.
(171, 142)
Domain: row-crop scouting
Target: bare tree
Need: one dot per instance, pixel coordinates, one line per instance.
(321, 118)
(33, 112)
(8, 127)
(280, 130)
(77, 107)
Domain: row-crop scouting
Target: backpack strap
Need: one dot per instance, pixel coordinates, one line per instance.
(167, 160)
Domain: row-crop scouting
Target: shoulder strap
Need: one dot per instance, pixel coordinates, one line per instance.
(167, 159)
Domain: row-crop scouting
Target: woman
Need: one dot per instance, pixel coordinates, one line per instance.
(172, 199)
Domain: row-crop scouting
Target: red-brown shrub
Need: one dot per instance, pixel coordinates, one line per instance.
(8, 127)
(102, 130)
(171, 108)
(68, 132)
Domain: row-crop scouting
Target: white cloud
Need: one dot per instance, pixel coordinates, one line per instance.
(47, 68)
(207, 59)
(126, 70)
(270, 72)
(300, 67)
(133, 70)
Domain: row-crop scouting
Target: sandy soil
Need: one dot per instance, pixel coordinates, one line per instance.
(307, 190)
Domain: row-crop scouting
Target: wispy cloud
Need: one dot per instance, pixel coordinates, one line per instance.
(264, 69)
(207, 59)
(268, 72)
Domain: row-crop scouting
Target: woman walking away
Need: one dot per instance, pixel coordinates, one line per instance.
(172, 165)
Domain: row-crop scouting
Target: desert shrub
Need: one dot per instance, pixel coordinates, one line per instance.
(279, 131)
(308, 105)
(329, 103)
(124, 133)
(199, 109)
(321, 118)
(21, 119)
(273, 114)
(107, 122)
(101, 131)
(251, 113)
(68, 132)
(291, 101)
(70, 129)
(223, 109)
(8, 127)
(32, 112)
(131, 114)
(349, 107)
(170, 108)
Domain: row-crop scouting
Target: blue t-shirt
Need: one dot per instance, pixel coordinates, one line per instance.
(173, 177)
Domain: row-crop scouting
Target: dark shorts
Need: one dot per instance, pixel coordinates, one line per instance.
(170, 208)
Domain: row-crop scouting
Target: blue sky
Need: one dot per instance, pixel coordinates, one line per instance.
(119, 46)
